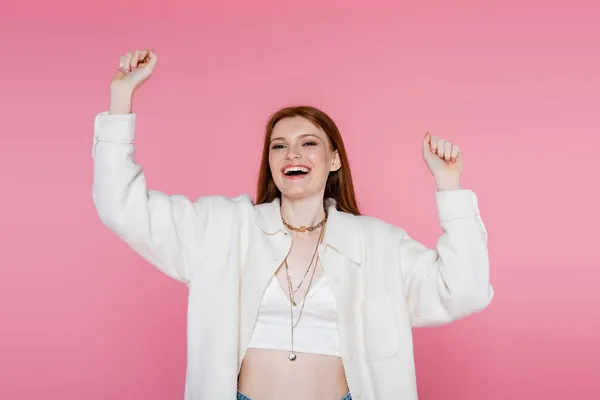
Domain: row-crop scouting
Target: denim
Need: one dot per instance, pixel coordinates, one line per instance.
(241, 396)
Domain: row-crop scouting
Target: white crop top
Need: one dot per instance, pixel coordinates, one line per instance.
(316, 333)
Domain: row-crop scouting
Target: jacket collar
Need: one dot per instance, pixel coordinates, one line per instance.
(341, 230)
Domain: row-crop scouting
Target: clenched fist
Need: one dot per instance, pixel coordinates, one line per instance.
(444, 161)
(134, 69)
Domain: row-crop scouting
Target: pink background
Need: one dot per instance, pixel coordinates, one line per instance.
(515, 85)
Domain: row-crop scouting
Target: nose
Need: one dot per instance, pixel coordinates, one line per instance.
(292, 153)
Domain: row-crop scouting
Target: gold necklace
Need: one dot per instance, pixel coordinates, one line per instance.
(304, 228)
(292, 356)
(294, 291)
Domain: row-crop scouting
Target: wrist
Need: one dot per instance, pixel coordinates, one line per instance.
(442, 186)
(121, 99)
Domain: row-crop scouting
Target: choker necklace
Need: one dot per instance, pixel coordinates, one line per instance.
(304, 228)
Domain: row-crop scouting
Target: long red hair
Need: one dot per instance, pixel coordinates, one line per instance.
(339, 183)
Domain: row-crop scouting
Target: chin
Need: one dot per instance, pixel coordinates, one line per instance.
(295, 194)
(298, 193)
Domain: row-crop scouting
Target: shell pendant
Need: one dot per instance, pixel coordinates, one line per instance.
(292, 356)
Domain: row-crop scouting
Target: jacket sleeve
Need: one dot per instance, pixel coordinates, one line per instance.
(164, 229)
(452, 281)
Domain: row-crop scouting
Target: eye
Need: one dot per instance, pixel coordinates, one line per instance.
(277, 146)
(310, 143)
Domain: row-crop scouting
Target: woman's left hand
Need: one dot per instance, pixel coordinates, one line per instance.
(444, 161)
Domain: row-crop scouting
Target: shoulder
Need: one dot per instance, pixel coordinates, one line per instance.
(218, 206)
(375, 224)
(374, 228)
(240, 201)
(242, 207)
(364, 236)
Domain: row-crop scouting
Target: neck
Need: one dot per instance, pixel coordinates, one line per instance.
(308, 211)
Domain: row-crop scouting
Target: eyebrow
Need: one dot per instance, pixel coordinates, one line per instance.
(301, 136)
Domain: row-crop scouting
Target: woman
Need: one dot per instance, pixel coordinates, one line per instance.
(297, 296)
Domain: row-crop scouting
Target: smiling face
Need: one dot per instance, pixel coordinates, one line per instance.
(301, 158)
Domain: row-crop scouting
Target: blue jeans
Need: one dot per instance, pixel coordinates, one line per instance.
(241, 396)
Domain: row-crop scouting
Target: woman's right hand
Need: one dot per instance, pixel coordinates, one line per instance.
(134, 70)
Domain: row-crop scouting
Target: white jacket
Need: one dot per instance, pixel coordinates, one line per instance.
(226, 250)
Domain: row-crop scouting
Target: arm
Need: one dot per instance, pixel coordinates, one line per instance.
(165, 230)
(451, 281)
(158, 227)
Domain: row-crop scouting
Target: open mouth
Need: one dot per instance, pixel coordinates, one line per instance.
(296, 171)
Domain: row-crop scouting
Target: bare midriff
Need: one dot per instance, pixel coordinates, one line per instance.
(269, 374)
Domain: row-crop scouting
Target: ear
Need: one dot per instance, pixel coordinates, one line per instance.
(335, 162)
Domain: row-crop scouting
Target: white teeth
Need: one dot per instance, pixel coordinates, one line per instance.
(291, 169)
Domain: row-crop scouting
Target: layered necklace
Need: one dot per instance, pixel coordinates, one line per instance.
(292, 292)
